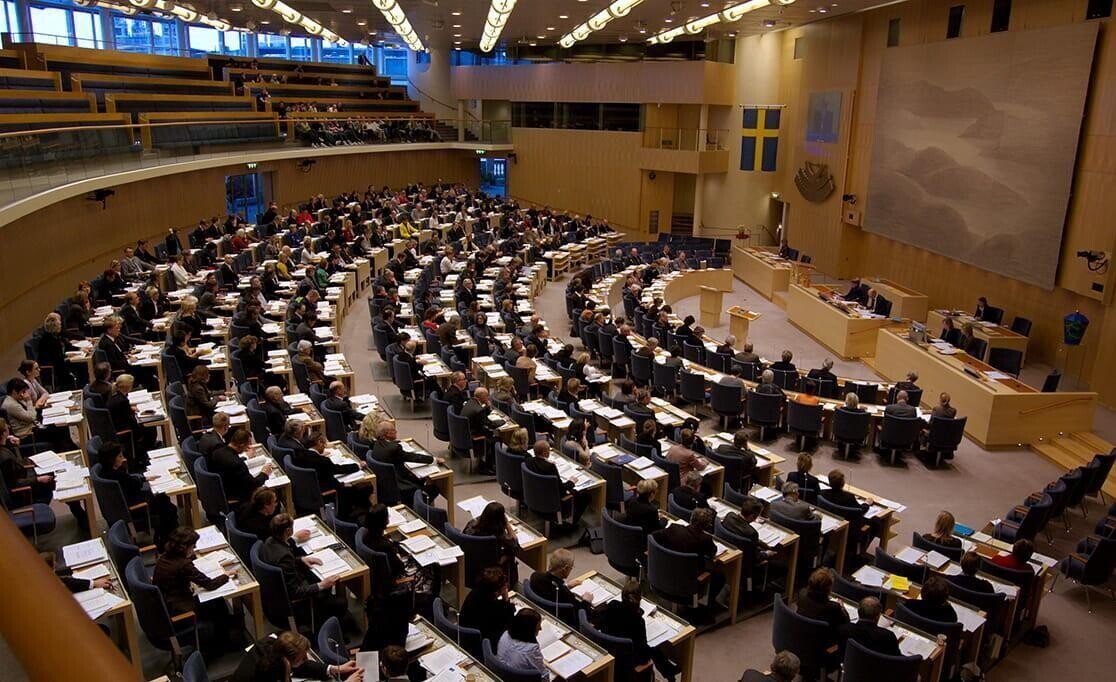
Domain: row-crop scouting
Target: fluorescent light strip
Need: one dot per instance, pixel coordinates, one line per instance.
(187, 14)
(498, 14)
(728, 15)
(395, 16)
(615, 10)
(293, 16)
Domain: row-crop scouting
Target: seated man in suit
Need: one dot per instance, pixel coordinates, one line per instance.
(982, 309)
(900, 408)
(969, 580)
(573, 503)
(767, 384)
(409, 359)
(728, 347)
(785, 364)
(748, 355)
(315, 371)
(114, 344)
(858, 292)
(303, 586)
(791, 506)
(824, 374)
(648, 350)
(477, 410)
(214, 437)
(688, 494)
(741, 523)
(642, 510)
(276, 409)
(554, 585)
(814, 601)
(682, 454)
(784, 668)
(640, 408)
(226, 462)
(837, 494)
(739, 449)
(876, 304)
(626, 394)
(338, 401)
(867, 632)
(123, 416)
(456, 394)
(943, 409)
(908, 384)
(695, 538)
(389, 450)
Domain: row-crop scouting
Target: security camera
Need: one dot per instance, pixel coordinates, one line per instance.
(1096, 261)
(848, 198)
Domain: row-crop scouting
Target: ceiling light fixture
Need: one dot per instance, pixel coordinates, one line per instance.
(498, 14)
(398, 20)
(727, 15)
(617, 9)
(187, 14)
(291, 16)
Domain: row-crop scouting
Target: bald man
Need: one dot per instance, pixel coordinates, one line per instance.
(476, 410)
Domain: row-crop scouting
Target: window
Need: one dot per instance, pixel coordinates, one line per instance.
(799, 48)
(300, 49)
(271, 45)
(235, 43)
(131, 34)
(953, 27)
(1001, 15)
(394, 66)
(579, 116)
(9, 17)
(621, 117)
(336, 54)
(893, 28)
(87, 30)
(533, 114)
(1098, 9)
(50, 25)
(203, 40)
(164, 37)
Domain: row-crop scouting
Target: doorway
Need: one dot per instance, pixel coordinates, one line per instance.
(494, 176)
(246, 195)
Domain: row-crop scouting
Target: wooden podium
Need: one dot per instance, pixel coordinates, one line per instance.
(711, 306)
(739, 319)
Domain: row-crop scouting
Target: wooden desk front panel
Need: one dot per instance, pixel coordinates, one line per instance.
(905, 303)
(849, 337)
(756, 273)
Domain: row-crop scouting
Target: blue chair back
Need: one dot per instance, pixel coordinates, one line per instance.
(433, 515)
(541, 494)
(567, 613)
(481, 551)
(804, 637)
(273, 590)
(151, 608)
(641, 369)
(865, 665)
(672, 574)
(194, 669)
(614, 481)
(211, 490)
(344, 529)
(305, 489)
(334, 424)
(624, 545)
(440, 416)
(331, 643)
(890, 564)
(387, 486)
(920, 542)
(240, 541)
(509, 473)
(952, 631)
(468, 639)
(506, 672)
(121, 547)
(110, 497)
(461, 435)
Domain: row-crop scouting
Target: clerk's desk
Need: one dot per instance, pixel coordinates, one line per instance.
(997, 336)
(1000, 412)
(761, 268)
(905, 303)
(843, 332)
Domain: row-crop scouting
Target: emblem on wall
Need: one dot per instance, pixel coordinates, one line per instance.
(814, 181)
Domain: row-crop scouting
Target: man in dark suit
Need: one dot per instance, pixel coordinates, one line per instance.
(302, 584)
(695, 538)
(867, 632)
(647, 351)
(748, 355)
(740, 523)
(767, 384)
(688, 494)
(824, 373)
(134, 324)
(784, 668)
(456, 394)
(114, 345)
(551, 584)
(215, 437)
(982, 309)
(276, 409)
(123, 415)
(225, 461)
(900, 408)
(338, 401)
(875, 303)
(540, 464)
(476, 410)
(969, 580)
(226, 274)
(728, 347)
(857, 292)
(837, 494)
(389, 450)
(739, 449)
(791, 506)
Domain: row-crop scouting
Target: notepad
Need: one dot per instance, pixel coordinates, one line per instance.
(554, 650)
(898, 583)
(569, 665)
(84, 553)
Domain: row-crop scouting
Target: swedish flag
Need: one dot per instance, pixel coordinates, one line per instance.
(759, 146)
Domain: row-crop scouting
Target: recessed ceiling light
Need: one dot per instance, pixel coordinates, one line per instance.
(541, 37)
(347, 10)
(533, 43)
(456, 35)
(823, 10)
(550, 28)
(456, 13)
(264, 21)
(769, 23)
(669, 20)
(642, 31)
(705, 4)
(236, 8)
(371, 33)
(623, 39)
(362, 22)
(563, 16)
(732, 35)
(457, 48)
(457, 26)
(457, 42)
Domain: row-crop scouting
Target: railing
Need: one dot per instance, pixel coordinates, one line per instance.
(685, 139)
(86, 146)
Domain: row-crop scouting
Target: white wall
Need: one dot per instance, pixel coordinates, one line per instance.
(433, 90)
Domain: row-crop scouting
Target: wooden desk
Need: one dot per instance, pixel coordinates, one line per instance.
(679, 285)
(436, 640)
(122, 613)
(996, 337)
(407, 524)
(739, 320)
(834, 529)
(911, 641)
(678, 637)
(242, 588)
(1000, 412)
(440, 475)
(906, 303)
(846, 334)
(761, 269)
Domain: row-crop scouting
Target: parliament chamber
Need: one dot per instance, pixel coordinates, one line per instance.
(615, 340)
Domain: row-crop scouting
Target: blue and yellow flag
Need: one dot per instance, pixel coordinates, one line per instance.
(759, 146)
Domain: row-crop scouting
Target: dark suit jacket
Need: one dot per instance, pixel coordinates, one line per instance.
(690, 499)
(342, 405)
(944, 613)
(300, 580)
(735, 523)
(972, 583)
(843, 498)
(872, 637)
(477, 415)
(114, 351)
(491, 616)
(554, 589)
(897, 410)
(858, 293)
(823, 609)
(392, 452)
(455, 397)
(952, 336)
(173, 575)
(682, 538)
(747, 461)
(624, 620)
(208, 442)
(120, 411)
(637, 512)
(276, 415)
(253, 669)
(239, 483)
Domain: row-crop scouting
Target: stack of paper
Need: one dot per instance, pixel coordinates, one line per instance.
(332, 563)
(474, 505)
(209, 538)
(570, 664)
(415, 639)
(48, 462)
(84, 553)
(442, 658)
(97, 602)
(898, 583)
(870, 576)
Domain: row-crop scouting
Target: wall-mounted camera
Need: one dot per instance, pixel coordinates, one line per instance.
(849, 198)
(1096, 261)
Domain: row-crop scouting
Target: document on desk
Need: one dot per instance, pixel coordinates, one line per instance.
(97, 602)
(93, 572)
(210, 538)
(870, 576)
(331, 565)
(554, 650)
(599, 592)
(226, 589)
(84, 553)
(829, 523)
(911, 644)
(412, 526)
(970, 619)
(569, 665)
(910, 555)
(418, 544)
(766, 494)
(474, 505)
(415, 639)
(659, 630)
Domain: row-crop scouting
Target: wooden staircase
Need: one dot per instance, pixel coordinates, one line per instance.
(1077, 449)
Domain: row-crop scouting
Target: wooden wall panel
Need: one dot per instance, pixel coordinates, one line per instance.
(47, 252)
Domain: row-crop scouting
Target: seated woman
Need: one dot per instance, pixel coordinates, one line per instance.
(576, 444)
(643, 510)
(943, 532)
(623, 618)
(494, 521)
(255, 365)
(200, 402)
(400, 591)
(174, 574)
(933, 602)
(519, 647)
(517, 443)
(814, 602)
(114, 467)
(23, 419)
(486, 607)
(649, 435)
(18, 471)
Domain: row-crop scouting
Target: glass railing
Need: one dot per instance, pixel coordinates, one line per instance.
(38, 158)
(686, 139)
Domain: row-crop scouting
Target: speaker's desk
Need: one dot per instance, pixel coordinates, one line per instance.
(838, 327)
(997, 336)
(1000, 411)
(905, 303)
(761, 269)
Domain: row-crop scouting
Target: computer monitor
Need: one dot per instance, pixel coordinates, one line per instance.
(918, 332)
